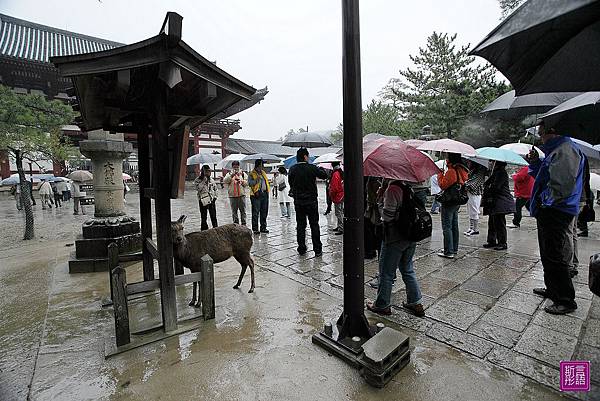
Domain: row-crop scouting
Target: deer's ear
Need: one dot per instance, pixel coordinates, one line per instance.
(182, 219)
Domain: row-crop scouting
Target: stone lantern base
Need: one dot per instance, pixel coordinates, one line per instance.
(110, 223)
(91, 248)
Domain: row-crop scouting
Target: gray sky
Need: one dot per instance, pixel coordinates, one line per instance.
(293, 47)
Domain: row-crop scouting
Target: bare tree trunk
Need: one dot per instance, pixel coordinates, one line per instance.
(25, 197)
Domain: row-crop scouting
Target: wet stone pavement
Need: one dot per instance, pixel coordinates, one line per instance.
(483, 324)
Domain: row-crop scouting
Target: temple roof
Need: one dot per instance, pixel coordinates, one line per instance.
(34, 42)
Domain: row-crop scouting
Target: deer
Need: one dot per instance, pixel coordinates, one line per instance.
(220, 243)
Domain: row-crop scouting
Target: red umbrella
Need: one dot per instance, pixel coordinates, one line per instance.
(396, 160)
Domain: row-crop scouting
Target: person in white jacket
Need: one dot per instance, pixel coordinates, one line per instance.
(283, 187)
(46, 194)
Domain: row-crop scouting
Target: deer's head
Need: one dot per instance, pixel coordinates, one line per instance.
(177, 236)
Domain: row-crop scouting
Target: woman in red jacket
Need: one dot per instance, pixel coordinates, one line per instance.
(523, 187)
(456, 173)
(336, 193)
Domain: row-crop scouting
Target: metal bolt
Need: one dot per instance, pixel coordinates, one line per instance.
(380, 326)
(328, 329)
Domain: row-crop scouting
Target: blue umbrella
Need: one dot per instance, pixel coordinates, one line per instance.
(501, 155)
(290, 161)
(14, 179)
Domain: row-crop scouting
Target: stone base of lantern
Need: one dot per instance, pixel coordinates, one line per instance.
(91, 248)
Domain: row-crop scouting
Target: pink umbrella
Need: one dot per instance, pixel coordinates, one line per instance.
(448, 146)
(396, 160)
(414, 142)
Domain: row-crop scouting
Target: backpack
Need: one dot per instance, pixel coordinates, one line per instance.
(413, 221)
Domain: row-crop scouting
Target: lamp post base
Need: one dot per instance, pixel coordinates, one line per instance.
(378, 358)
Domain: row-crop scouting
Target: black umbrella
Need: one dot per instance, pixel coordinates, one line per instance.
(511, 107)
(547, 46)
(578, 117)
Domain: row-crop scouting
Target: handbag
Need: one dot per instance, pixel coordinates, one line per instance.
(456, 194)
(413, 221)
(205, 199)
(587, 214)
(281, 186)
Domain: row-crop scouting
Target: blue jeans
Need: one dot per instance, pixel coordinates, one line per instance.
(450, 228)
(397, 255)
(260, 208)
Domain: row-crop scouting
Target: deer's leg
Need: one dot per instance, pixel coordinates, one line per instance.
(194, 294)
(244, 266)
(251, 264)
(199, 303)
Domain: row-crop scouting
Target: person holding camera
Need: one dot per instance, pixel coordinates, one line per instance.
(207, 197)
(237, 181)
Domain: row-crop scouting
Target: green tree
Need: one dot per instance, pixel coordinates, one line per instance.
(444, 88)
(30, 129)
(508, 6)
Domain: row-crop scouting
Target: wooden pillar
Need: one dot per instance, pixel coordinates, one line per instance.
(145, 202)
(162, 185)
(207, 291)
(120, 309)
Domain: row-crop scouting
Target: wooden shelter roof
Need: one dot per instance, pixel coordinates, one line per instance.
(116, 87)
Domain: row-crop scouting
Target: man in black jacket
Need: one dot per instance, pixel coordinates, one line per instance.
(303, 188)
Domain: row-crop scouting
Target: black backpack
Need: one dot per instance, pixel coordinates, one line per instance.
(414, 222)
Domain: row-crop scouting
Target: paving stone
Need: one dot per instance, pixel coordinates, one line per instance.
(583, 307)
(333, 268)
(498, 272)
(498, 334)
(521, 264)
(285, 262)
(436, 287)
(582, 291)
(595, 308)
(319, 275)
(337, 281)
(454, 312)
(507, 318)
(277, 255)
(591, 335)
(454, 272)
(527, 284)
(547, 345)
(372, 269)
(485, 286)
(485, 254)
(471, 262)
(520, 302)
(460, 339)
(562, 323)
(405, 319)
(525, 366)
(592, 354)
(482, 301)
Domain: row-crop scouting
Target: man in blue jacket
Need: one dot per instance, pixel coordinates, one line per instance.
(554, 204)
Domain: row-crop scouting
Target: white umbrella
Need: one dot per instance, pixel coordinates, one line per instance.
(448, 146)
(522, 149)
(81, 176)
(204, 158)
(14, 179)
(308, 140)
(595, 181)
(225, 164)
(327, 158)
(587, 148)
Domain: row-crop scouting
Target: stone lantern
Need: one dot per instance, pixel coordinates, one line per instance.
(110, 223)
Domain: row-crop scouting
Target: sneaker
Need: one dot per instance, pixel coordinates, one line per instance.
(556, 309)
(487, 245)
(474, 232)
(436, 212)
(374, 284)
(380, 311)
(511, 225)
(446, 255)
(416, 310)
(283, 217)
(468, 233)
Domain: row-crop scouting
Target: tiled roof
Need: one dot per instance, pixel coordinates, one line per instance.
(250, 146)
(27, 40)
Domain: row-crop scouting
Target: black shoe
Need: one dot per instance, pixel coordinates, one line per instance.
(556, 309)
(488, 245)
(573, 272)
(318, 253)
(542, 292)
(264, 231)
(256, 232)
(301, 250)
(501, 247)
